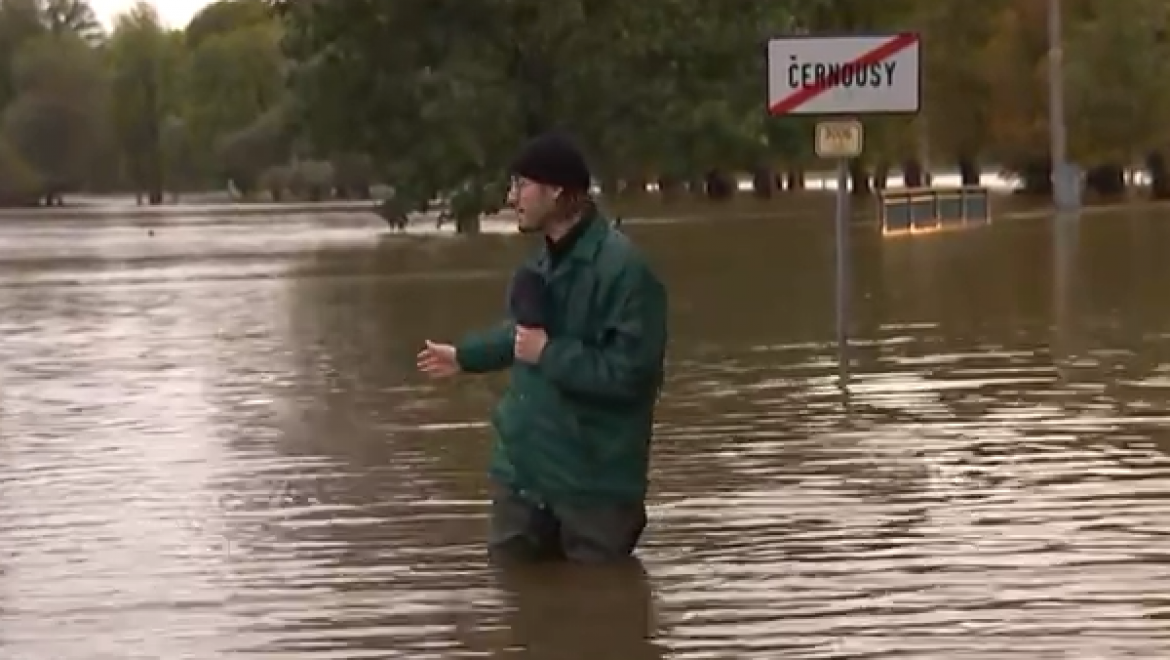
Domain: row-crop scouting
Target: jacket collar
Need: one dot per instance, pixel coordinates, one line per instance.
(585, 247)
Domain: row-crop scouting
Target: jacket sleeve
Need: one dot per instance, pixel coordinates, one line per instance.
(490, 350)
(626, 364)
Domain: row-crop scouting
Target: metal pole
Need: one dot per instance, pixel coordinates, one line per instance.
(842, 231)
(1065, 184)
(1064, 291)
(1056, 86)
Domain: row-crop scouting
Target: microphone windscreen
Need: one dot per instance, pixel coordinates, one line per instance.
(529, 298)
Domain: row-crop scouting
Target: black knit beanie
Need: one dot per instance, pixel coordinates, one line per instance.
(554, 160)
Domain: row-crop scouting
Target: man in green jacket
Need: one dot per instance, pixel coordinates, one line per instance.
(571, 454)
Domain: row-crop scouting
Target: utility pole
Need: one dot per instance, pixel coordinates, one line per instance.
(1065, 177)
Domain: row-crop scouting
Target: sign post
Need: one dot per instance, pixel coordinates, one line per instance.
(844, 75)
(1066, 177)
(840, 141)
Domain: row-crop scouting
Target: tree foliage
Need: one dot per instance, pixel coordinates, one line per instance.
(313, 99)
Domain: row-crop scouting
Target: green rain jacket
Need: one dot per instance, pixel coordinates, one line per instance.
(576, 427)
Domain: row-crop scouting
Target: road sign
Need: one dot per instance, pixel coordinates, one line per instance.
(839, 139)
(845, 75)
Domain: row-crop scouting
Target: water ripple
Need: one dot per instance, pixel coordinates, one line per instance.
(214, 445)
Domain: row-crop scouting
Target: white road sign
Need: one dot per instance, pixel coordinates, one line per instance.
(839, 139)
(845, 75)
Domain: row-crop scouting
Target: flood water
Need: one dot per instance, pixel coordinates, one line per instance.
(213, 444)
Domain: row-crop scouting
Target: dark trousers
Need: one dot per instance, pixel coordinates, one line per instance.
(522, 530)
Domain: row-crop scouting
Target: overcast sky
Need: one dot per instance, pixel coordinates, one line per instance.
(174, 13)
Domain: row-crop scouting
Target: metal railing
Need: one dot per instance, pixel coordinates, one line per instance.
(922, 210)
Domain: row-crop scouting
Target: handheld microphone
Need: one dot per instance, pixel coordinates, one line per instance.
(529, 298)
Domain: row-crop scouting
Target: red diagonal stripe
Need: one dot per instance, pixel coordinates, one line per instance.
(805, 94)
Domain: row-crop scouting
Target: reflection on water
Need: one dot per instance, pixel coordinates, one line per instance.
(213, 444)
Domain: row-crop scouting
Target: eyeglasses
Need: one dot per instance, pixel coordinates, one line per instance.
(520, 183)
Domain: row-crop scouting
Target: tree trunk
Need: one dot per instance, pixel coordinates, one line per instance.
(1106, 180)
(913, 175)
(970, 173)
(468, 225)
(720, 185)
(1159, 181)
(636, 186)
(764, 182)
(668, 187)
(1036, 178)
(795, 180)
(859, 178)
(881, 176)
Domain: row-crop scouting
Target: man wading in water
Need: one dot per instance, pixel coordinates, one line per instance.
(586, 344)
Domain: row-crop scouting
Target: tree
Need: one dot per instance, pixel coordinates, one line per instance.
(20, 22)
(957, 81)
(56, 121)
(224, 17)
(145, 63)
(433, 96)
(1117, 101)
(450, 89)
(234, 86)
(74, 17)
(20, 184)
(246, 153)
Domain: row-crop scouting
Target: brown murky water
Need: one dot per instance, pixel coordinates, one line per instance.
(213, 445)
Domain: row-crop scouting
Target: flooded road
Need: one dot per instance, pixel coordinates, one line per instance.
(213, 444)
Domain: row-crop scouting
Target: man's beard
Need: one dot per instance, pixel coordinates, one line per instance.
(549, 221)
(529, 228)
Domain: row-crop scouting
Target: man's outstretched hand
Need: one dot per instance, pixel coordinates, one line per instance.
(438, 360)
